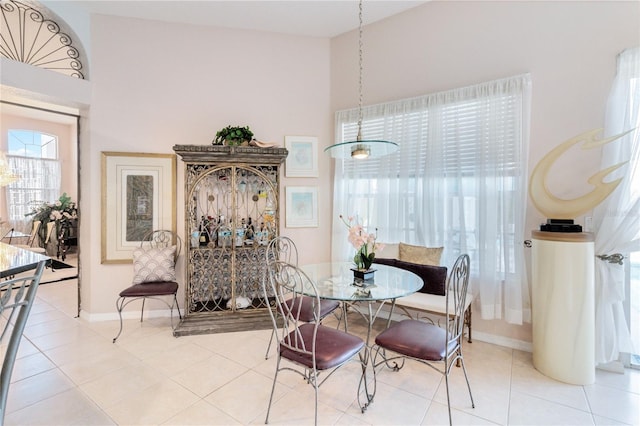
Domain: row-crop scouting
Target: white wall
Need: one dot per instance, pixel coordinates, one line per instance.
(156, 85)
(569, 48)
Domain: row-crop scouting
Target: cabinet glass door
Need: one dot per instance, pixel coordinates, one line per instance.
(232, 216)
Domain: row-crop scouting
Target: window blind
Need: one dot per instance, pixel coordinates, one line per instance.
(454, 129)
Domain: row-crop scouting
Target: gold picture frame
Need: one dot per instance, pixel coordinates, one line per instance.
(138, 196)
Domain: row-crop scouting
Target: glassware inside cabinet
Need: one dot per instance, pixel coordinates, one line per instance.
(234, 206)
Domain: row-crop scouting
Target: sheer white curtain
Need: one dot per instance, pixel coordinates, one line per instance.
(617, 220)
(459, 180)
(39, 182)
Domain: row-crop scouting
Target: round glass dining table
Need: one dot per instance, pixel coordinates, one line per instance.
(336, 281)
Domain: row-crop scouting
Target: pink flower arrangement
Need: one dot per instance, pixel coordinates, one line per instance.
(363, 242)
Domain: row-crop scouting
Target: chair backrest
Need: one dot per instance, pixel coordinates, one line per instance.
(16, 298)
(35, 226)
(289, 283)
(457, 287)
(283, 249)
(162, 238)
(279, 249)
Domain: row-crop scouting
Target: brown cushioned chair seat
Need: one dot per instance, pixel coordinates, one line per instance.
(416, 339)
(306, 310)
(333, 347)
(156, 288)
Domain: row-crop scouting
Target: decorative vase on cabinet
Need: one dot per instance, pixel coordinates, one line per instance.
(231, 213)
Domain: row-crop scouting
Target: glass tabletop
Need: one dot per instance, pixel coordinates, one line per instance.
(15, 234)
(335, 281)
(14, 260)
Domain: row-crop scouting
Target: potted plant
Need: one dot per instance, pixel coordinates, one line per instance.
(62, 212)
(233, 136)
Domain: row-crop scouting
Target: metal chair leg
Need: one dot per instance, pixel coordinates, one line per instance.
(175, 299)
(142, 310)
(473, 405)
(467, 320)
(119, 307)
(446, 381)
(266, 354)
(273, 388)
(175, 302)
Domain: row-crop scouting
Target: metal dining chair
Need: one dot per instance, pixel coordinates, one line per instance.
(428, 343)
(16, 299)
(305, 346)
(154, 273)
(285, 250)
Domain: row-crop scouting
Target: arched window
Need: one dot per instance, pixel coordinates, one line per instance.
(34, 157)
(32, 34)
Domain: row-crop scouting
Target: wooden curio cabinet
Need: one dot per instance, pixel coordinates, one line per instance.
(232, 211)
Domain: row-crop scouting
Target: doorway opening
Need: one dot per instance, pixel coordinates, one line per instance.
(44, 119)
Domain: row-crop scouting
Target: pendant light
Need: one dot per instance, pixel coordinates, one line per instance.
(361, 149)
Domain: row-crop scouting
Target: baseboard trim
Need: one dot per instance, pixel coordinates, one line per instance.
(506, 342)
(613, 366)
(113, 316)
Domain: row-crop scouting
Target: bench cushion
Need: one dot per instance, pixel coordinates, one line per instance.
(389, 251)
(434, 278)
(420, 254)
(430, 302)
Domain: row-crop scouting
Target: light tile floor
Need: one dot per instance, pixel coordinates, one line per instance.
(69, 372)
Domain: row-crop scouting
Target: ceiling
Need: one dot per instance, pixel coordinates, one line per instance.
(318, 18)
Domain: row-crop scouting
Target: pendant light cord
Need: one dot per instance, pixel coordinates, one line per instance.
(359, 137)
(360, 149)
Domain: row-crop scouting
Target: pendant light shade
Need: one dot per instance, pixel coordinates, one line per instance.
(360, 148)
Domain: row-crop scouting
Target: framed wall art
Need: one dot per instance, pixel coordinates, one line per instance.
(302, 160)
(302, 206)
(138, 196)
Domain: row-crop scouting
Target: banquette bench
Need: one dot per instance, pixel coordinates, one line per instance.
(424, 262)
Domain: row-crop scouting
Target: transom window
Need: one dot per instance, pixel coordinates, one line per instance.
(27, 143)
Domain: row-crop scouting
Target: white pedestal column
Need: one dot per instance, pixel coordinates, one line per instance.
(563, 318)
